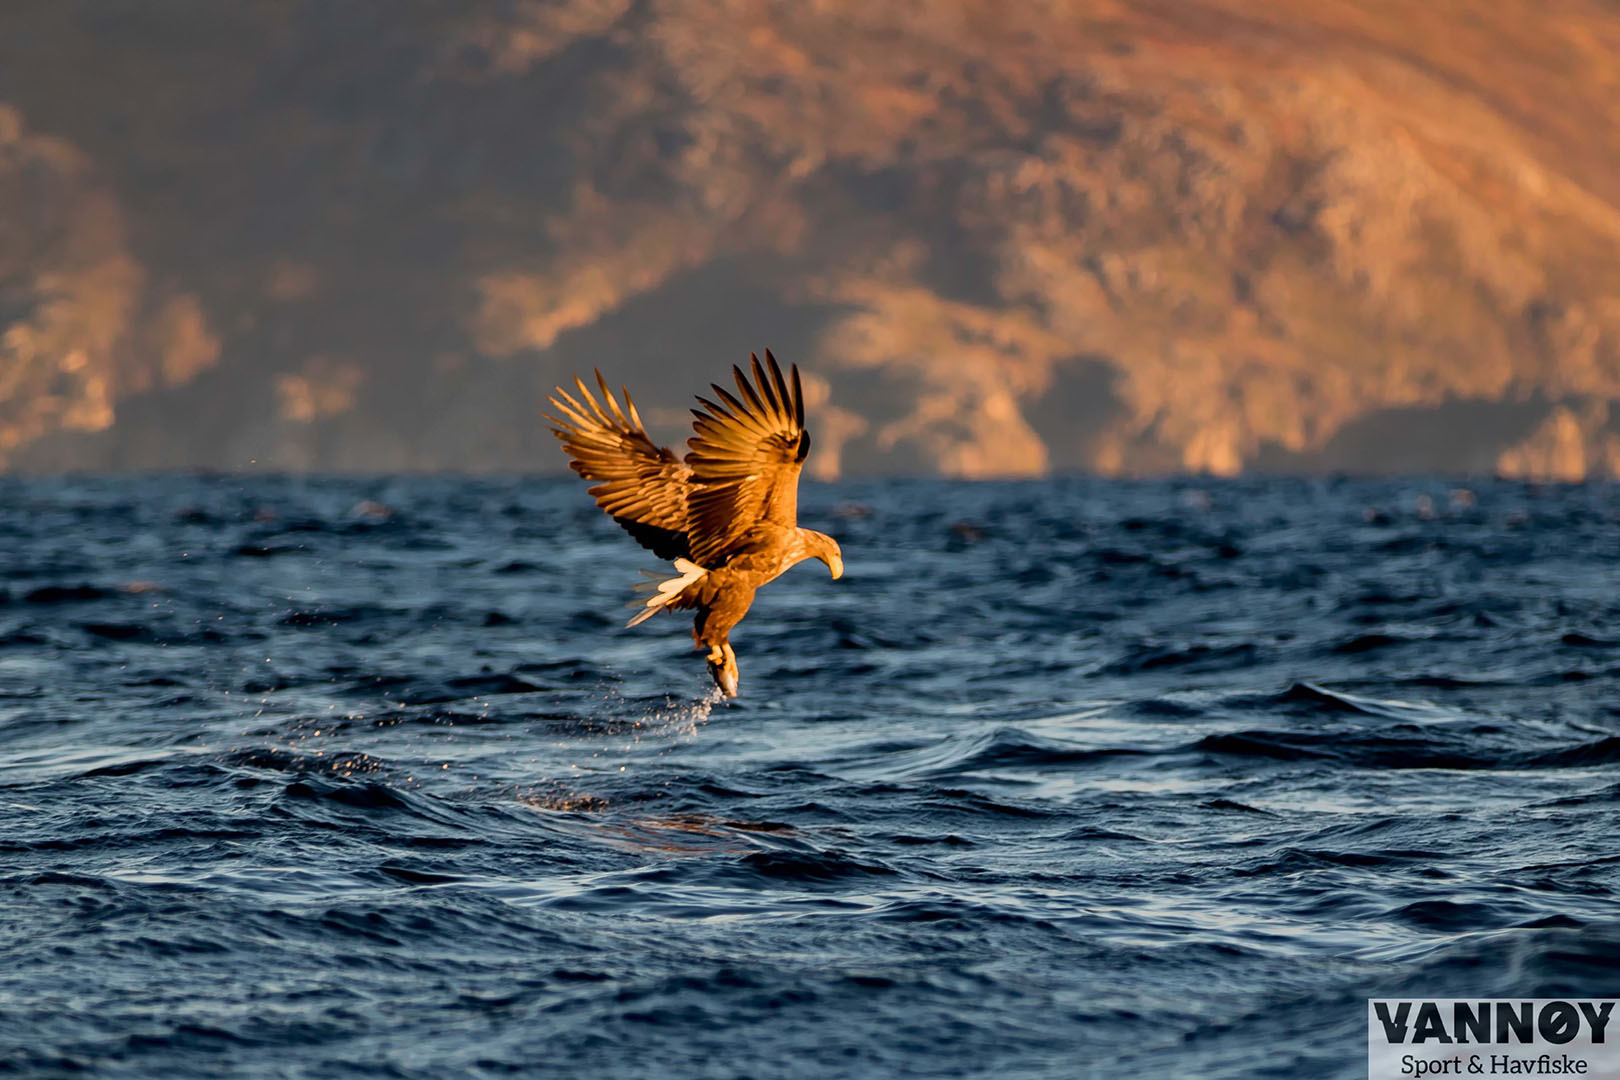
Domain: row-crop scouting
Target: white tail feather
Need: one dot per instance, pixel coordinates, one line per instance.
(665, 592)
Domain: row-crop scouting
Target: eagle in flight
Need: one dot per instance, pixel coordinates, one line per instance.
(726, 514)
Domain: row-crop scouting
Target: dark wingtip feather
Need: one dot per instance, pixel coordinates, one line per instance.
(755, 402)
(739, 410)
(798, 399)
(720, 411)
(590, 399)
(577, 413)
(776, 377)
(772, 404)
(630, 407)
(612, 404)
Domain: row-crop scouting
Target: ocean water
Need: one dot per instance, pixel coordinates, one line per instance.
(363, 777)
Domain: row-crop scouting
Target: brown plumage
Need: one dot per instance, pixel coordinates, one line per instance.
(726, 515)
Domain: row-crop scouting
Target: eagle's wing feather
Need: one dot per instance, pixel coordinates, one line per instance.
(644, 486)
(745, 459)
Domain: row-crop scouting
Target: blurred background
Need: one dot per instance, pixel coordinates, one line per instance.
(1114, 236)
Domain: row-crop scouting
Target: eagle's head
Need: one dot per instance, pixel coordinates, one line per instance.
(823, 547)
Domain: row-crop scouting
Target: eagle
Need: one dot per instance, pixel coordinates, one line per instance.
(726, 514)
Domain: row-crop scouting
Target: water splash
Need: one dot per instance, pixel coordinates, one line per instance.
(677, 720)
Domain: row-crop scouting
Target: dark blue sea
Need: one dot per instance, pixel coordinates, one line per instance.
(364, 778)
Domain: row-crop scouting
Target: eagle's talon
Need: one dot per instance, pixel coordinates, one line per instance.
(723, 669)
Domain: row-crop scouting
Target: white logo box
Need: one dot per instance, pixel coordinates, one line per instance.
(1423, 1038)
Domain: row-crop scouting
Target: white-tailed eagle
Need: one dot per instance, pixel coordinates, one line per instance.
(726, 514)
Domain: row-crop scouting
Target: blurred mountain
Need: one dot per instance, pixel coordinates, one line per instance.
(1005, 239)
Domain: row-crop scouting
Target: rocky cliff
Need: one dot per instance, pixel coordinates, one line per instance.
(1114, 235)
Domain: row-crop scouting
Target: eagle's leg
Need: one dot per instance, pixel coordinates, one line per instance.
(723, 668)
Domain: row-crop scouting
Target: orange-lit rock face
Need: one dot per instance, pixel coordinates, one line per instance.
(79, 327)
(1123, 236)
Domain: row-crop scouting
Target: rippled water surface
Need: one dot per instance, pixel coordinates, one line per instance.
(325, 778)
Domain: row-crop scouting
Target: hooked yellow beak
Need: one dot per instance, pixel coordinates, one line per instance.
(836, 565)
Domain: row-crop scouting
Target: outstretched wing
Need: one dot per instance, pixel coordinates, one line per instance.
(644, 486)
(745, 460)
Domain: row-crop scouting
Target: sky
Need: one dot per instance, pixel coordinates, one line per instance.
(1127, 237)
